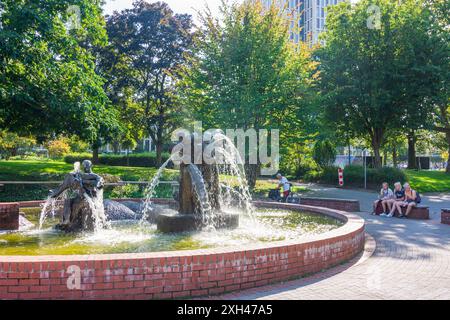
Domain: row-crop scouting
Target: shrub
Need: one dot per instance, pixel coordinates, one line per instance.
(74, 157)
(147, 159)
(58, 148)
(126, 191)
(324, 153)
(354, 176)
(10, 143)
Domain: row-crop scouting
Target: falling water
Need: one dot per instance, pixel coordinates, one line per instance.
(49, 207)
(232, 171)
(98, 211)
(150, 190)
(208, 216)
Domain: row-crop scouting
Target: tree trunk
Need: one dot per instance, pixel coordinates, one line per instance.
(95, 157)
(116, 147)
(252, 172)
(394, 157)
(377, 139)
(159, 149)
(447, 135)
(412, 161)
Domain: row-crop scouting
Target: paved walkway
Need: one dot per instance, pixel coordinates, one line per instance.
(408, 260)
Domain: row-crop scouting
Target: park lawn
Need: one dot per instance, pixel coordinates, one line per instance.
(48, 170)
(263, 187)
(34, 170)
(429, 181)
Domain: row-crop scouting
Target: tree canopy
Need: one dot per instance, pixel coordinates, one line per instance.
(148, 44)
(383, 76)
(48, 83)
(246, 74)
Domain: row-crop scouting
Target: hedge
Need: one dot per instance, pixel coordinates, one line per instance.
(354, 176)
(147, 159)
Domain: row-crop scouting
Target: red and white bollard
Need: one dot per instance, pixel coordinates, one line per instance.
(341, 177)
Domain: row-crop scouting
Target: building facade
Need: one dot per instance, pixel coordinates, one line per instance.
(307, 17)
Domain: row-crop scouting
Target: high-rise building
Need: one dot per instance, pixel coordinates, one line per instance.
(307, 17)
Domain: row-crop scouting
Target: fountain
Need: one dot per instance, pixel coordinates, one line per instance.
(84, 211)
(130, 239)
(199, 198)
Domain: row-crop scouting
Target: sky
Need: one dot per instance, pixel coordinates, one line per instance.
(179, 6)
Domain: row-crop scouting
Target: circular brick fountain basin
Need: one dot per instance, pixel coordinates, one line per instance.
(181, 274)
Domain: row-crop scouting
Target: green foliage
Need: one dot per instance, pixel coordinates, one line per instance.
(374, 79)
(48, 83)
(148, 43)
(58, 148)
(147, 159)
(246, 74)
(11, 142)
(77, 145)
(126, 191)
(354, 176)
(324, 153)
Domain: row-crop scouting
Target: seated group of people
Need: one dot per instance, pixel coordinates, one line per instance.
(392, 201)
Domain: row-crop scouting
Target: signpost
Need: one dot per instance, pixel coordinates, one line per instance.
(341, 177)
(365, 168)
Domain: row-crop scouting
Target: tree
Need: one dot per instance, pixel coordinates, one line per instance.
(246, 74)
(150, 43)
(378, 77)
(324, 153)
(48, 84)
(439, 22)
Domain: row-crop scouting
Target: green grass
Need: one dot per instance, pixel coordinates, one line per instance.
(48, 170)
(33, 170)
(38, 170)
(429, 181)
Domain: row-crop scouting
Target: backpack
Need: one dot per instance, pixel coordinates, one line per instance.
(418, 198)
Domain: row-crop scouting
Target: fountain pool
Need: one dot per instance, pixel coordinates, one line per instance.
(131, 236)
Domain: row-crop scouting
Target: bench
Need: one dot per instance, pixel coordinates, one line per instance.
(445, 216)
(419, 212)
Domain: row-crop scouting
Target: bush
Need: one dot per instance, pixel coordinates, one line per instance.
(354, 176)
(324, 153)
(147, 159)
(77, 157)
(58, 148)
(126, 191)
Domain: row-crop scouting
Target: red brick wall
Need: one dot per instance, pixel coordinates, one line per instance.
(9, 216)
(337, 204)
(183, 273)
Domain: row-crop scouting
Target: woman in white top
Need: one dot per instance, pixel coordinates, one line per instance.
(385, 195)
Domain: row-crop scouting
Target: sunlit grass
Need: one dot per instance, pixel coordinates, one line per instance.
(429, 181)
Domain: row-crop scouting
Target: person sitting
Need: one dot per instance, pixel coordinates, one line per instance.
(385, 195)
(399, 196)
(410, 201)
(284, 183)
